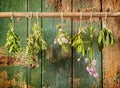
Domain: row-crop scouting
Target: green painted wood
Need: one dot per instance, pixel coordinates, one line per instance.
(56, 65)
(34, 74)
(53, 68)
(81, 78)
(12, 75)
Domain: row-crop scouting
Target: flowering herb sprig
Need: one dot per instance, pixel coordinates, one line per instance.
(62, 38)
(83, 42)
(90, 53)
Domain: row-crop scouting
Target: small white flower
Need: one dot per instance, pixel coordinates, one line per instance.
(59, 41)
(66, 41)
(86, 60)
(88, 48)
(55, 41)
(78, 59)
(94, 62)
(60, 29)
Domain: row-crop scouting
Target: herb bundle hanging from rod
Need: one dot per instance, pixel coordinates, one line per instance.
(12, 39)
(62, 37)
(35, 42)
(105, 36)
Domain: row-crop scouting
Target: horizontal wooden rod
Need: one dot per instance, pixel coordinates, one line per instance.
(57, 14)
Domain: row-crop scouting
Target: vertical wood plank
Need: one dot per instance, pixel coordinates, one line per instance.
(56, 64)
(34, 74)
(81, 78)
(12, 74)
(111, 54)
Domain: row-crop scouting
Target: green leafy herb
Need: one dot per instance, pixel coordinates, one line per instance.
(36, 42)
(78, 43)
(105, 38)
(12, 39)
(62, 39)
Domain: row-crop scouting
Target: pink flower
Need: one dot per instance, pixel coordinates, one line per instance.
(94, 62)
(95, 75)
(91, 70)
(86, 60)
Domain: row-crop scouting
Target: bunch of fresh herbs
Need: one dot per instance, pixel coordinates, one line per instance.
(62, 39)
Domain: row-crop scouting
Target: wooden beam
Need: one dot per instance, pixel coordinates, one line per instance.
(57, 14)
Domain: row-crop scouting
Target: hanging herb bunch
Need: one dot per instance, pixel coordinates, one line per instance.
(78, 42)
(90, 56)
(105, 38)
(62, 39)
(83, 43)
(12, 39)
(35, 42)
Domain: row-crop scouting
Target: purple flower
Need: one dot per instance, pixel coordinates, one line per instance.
(94, 62)
(95, 75)
(86, 60)
(91, 70)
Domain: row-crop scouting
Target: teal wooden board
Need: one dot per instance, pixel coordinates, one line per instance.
(82, 79)
(56, 65)
(80, 73)
(34, 74)
(14, 72)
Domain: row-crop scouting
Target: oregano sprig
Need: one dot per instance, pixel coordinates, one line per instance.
(62, 38)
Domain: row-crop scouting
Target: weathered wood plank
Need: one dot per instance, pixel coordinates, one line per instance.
(56, 65)
(12, 74)
(81, 78)
(34, 73)
(111, 54)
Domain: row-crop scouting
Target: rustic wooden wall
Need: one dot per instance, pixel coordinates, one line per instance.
(111, 54)
(55, 68)
(12, 74)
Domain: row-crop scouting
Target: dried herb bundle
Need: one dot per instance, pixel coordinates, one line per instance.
(105, 38)
(62, 39)
(78, 43)
(12, 39)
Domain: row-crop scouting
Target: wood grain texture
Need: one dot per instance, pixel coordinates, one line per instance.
(111, 54)
(82, 79)
(12, 75)
(56, 64)
(34, 74)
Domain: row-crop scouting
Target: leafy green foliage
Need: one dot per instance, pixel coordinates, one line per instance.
(62, 39)
(83, 42)
(105, 38)
(35, 42)
(12, 39)
(78, 43)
